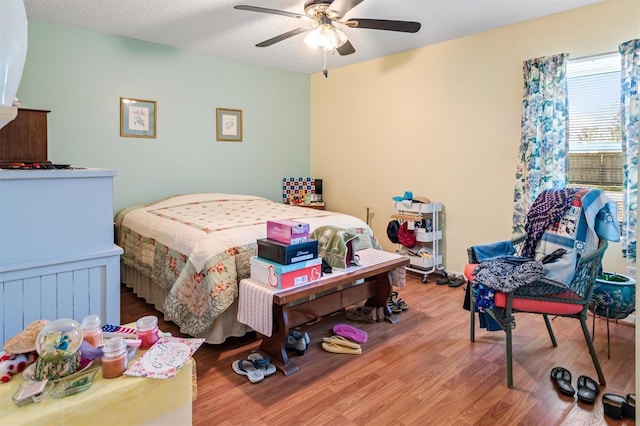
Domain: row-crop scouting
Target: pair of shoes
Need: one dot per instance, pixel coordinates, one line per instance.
(350, 332)
(297, 341)
(618, 406)
(452, 280)
(255, 367)
(366, 314)
(340, 345)
(395, 304)
(587, 387)
(456, 280)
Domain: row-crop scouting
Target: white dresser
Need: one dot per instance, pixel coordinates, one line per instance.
(57, 254)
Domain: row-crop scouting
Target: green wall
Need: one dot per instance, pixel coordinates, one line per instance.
(80, 76)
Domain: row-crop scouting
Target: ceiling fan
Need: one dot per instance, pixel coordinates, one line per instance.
(325, 16)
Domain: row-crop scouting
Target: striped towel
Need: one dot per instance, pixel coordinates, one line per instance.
(255, 306)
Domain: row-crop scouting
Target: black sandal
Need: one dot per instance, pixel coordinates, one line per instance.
(398, 303)
(588, 389)
(391, 303)
(562, 379)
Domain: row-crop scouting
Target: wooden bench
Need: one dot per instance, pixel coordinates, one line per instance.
(300, 305)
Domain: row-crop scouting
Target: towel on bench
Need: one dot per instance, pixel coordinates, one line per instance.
(255, 306)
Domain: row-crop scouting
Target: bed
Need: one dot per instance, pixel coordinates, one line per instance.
(186, 254)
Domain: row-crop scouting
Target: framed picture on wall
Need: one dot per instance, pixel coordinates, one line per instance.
(229, 124)
(137, 118)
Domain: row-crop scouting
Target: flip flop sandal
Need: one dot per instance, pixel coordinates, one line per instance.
(247, 368)
(398, 303)
(339, 340)
(562, 379)
(350, 332)
(588, 389)
(264, 365)
(402, 305)
(340, 349)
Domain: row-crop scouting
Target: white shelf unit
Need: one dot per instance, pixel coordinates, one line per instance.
(428, 237)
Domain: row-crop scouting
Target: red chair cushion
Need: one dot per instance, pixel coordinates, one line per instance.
(540, 306)
(529, 305)
(468, 271)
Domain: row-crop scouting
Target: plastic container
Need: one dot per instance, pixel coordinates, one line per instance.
(114, 358)
(91, 331)
(147, 330)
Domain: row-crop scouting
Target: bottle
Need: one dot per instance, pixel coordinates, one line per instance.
(147, 331)
(91, 331)
(114, 357)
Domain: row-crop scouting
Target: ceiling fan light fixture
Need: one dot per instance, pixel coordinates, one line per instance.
(327, 37)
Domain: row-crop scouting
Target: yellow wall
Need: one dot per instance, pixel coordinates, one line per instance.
(443, 121)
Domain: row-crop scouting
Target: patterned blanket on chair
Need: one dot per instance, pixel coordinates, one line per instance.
(592, 214)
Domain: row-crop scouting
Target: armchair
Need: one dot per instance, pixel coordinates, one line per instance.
(543, 297)
(592, 216)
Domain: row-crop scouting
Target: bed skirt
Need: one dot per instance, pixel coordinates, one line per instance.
(226, 325)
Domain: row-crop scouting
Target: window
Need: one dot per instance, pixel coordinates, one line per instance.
(595, 140)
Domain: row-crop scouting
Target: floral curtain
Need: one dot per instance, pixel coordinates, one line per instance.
(630, 123)
(543, 161)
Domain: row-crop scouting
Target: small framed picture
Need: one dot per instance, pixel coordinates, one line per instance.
(229, 124)
(137, 118)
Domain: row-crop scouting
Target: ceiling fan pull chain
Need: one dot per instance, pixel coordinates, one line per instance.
(325, 72)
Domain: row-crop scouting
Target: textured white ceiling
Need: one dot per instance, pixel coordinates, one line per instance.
(215, 27)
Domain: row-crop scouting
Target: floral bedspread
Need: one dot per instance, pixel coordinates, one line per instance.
(198, 247)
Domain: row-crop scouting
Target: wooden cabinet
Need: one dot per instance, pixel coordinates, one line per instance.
(24, 140)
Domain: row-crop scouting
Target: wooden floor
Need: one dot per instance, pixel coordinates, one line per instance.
(422, 370)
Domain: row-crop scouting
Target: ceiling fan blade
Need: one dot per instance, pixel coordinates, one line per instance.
(343, 6)
(383, 24)
(346, 49)
(272, 11)
(281, 37)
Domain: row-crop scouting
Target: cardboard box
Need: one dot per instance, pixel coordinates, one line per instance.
(287, 231)
(285, 276)
(286, 254)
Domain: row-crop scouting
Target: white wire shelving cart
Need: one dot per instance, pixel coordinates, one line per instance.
(424, 219)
